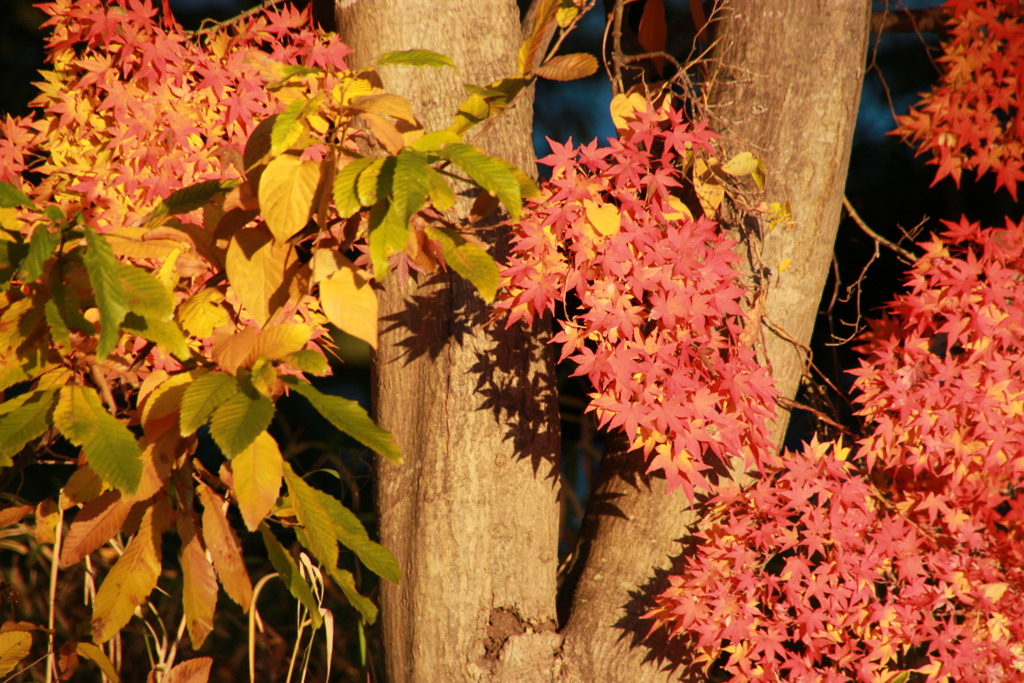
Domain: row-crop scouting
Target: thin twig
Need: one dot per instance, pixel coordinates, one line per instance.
(907, 256)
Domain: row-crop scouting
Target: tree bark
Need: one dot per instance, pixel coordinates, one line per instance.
(787, 87)
(472, 515)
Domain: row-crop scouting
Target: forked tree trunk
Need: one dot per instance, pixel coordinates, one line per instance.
(787, 87)
(472, 515)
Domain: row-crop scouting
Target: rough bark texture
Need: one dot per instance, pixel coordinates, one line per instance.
(787, 87)
(471, 516)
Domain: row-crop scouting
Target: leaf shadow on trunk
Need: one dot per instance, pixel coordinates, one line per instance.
(514, 367)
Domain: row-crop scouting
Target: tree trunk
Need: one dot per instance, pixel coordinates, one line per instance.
(787, 87)
(472, 515)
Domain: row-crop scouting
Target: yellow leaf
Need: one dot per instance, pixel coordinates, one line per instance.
(201, 313)
(784, 264)
(994, 591)
(14, 646)
(224, 548)
(393, 105)
(47, 515)
(286, 192)
(280, 340)
(264, 377)
(623, 108)
(349, 302)
(257, 474)
(130, 581)
(746, 163)
(604, 218)
(256, 265)
(235, 349)
(325, 263)
(680, 210)
(91, 652)
(710, 192)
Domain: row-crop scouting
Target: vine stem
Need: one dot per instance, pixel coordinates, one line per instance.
(51, 636)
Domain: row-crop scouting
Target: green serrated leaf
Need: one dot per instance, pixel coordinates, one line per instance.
(388, 233)
(347, 583)
(352, 534)
(435, 140)
(346, 201)
(440, 192)
(202, 397)
(109, 446)
(349, 417)
(367, 190)
(10, 197)
(238, 421)
(40, 249)
(415, 58)
(143, 293)
(59, 331)
(24, 418)
(68, 305)
(164, 333)
(287, 127)
(469, 261)
(489, 173)
(308, 361)
(286, 568)
(409, 184)
(318, 535)
(101, 264)
(472, 111)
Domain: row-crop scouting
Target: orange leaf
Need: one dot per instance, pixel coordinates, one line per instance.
(94, 525)
(196, 670)
(199, 592)
(653, 31)
(567, 67)
(257, 474)
(224, 548)
(256, 266)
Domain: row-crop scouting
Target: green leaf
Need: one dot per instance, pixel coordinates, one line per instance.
(309, 361)
(111, 300)
(415, 58)
(346, 200)
(287, 128)
(349, 417)
(289, 573)
(193, 197)
(202, 397)
(409, 186)
(352, 534)
(40, 249)
(109, 446)
(375, 181)
(317, 534)
(143, 293)
(240, 419)
(489, 173)
(388, 233)
(472, 111)
(59, 331)
(10, 196)
(24, 418)
(164, 333)
(469, 261)
(433, 141)
(440, 192)
(67, 303)
(347, 583)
